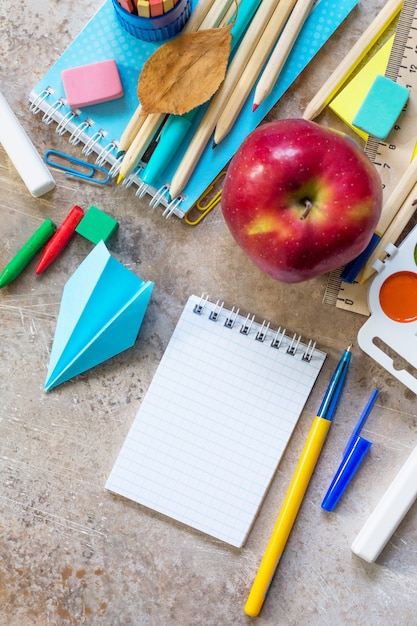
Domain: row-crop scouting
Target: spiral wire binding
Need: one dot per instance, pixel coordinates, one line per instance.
(93, 141)
(214, 315)
(78, 134)
(309, 350)
(230, 321)
(104, 156)
(292, 348)
(174, 204)
(247, 325)
(48, 116)
(62, 127)
(277, 340)
(295, 341)
(133, 177)
(198, 309)
(142, 189)
(261, 334)
(44, 95)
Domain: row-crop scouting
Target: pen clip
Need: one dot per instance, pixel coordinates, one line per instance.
(90, 169)
(364, 416)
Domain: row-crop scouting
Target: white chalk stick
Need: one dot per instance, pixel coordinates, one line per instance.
(23, 154)
(389, 512)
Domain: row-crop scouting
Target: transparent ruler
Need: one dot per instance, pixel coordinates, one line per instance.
(392, 156)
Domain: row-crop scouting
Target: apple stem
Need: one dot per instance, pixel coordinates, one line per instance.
(308, 207)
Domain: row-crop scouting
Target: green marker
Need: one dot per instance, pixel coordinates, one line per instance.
(27, 252)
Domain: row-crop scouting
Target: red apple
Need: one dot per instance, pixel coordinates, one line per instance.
(301, 199)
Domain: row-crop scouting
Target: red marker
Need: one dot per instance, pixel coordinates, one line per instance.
(60, 239)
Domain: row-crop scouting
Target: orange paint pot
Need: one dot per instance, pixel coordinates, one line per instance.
(398, 297)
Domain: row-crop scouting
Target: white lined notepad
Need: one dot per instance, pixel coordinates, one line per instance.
(217, 417)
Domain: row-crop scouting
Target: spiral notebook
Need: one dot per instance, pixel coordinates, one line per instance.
(216, 419)
(100, 127)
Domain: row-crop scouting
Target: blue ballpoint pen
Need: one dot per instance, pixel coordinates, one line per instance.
(335, 387)
(176, 128)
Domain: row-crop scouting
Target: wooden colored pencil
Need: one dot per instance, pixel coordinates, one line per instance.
(132, 129)
(389, 211)
(398, 224)
(216, 14)
(210, 119)
(250, 73)
(352, 59)
(140, 144)
(281, 51)
(197, 16)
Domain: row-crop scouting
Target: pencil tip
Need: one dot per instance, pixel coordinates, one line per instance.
(120, 179)
(254, 107)
(213, 145)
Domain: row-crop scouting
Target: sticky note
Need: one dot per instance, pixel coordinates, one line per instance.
(92, 84)
(96, 225)
(348, 101)
(381, 107)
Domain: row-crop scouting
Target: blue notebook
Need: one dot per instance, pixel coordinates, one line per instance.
(98, 128)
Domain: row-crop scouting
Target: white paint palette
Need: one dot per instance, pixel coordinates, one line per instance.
(391, 330)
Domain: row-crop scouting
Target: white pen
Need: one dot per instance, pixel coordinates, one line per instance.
(23, 153)
(389, 512)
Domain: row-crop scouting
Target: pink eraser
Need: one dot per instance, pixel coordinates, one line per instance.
(91, 84)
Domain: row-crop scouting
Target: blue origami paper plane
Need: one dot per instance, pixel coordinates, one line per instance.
(102, 309)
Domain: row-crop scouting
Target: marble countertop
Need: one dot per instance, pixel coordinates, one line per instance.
(72, 553)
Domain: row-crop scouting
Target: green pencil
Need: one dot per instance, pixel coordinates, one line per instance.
(27, 252)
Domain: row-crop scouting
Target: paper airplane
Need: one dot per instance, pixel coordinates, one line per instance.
(102, 308)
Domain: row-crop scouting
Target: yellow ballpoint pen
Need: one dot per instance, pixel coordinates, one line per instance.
(297, 488)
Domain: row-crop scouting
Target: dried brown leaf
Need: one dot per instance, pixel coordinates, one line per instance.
(185, 72)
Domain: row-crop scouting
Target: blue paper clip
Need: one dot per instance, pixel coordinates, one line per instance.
(90, 169)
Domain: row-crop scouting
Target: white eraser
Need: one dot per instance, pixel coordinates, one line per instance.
(23, 154)
(388, 513)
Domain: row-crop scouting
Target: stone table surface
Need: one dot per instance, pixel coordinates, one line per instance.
(72, 553)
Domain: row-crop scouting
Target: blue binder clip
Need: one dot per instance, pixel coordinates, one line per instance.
(85, 171)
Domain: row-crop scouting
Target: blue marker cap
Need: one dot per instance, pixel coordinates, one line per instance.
(352, 269)
(353, 455)
(346, 471)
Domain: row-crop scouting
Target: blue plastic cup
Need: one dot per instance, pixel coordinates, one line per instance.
(155, 28)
